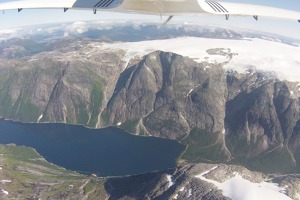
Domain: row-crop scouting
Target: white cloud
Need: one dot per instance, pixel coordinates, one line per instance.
(264, 55)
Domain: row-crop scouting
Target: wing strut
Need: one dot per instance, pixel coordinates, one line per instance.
(66, 9)
(299, 20)
(255, 17)
(20, 9)
(95, 11)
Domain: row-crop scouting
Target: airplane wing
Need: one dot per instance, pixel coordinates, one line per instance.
(160, 7)
(226, 8)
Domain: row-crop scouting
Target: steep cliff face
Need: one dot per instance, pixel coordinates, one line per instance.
(57, 86)
(262, 121)
(172, 94)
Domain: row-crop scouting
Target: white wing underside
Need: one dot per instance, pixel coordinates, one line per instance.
(161, 7)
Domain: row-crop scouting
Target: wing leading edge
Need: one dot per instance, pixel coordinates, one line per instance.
(75, 4)
(160, 7)
(219, 8)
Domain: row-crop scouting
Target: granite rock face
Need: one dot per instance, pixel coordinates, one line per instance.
(168, 95)
(68, 85)
(262, 117)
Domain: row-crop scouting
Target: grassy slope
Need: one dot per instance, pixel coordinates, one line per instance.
(32, 176)
(203, 147)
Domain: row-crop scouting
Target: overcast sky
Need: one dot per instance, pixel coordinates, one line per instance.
(290, 28)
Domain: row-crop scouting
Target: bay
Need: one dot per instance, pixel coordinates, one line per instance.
(105, 152)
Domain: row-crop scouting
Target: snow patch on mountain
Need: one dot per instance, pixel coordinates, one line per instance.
(169, 178)
(4, 192)
(190, 193)
(5, 181)
(176, 196)
(239, 188)
(40, 117)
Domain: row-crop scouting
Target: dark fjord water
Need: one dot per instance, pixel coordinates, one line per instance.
(106, 152)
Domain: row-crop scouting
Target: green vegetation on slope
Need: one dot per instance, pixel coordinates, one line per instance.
(203, 146)
(5, 99)
(30, 176)
(297, 158)
(104, 118)
(24, 109)
(277, 160)
(82, 116)
(130, 125)
(96, 101)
